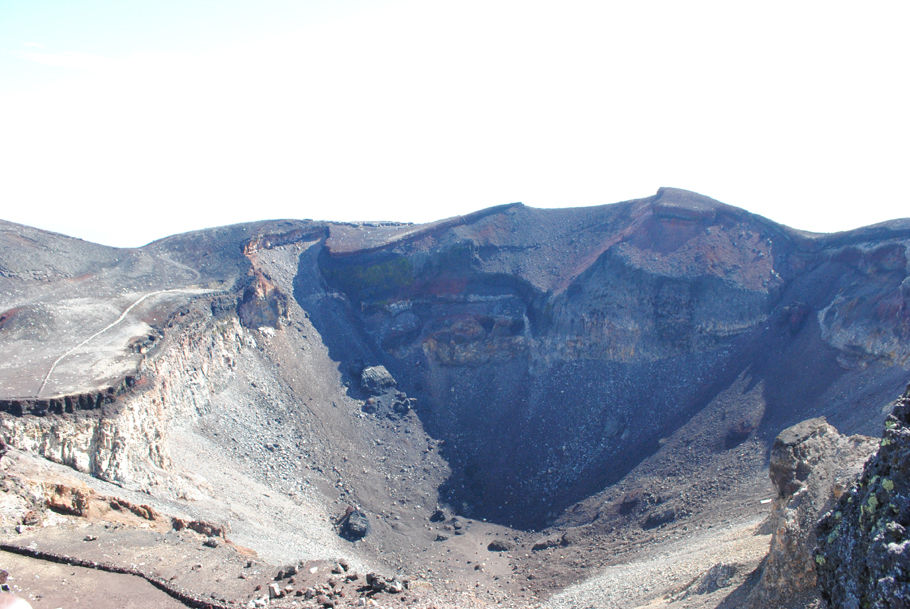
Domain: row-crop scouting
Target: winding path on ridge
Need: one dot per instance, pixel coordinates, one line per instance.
(123, 315)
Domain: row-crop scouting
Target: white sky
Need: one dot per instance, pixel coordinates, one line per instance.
(125, 122)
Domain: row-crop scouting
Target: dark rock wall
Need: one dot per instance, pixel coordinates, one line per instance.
(552, 349)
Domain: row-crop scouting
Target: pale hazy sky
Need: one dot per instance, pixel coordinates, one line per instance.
(125, 121)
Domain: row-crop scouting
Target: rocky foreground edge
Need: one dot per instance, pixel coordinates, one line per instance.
(863, 554)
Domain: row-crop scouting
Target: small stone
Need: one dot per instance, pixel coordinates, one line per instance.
(31, 518)
(211, 542)
(545, 544)
(438, 515)
(286, 572)
(500, 545)
(375, 582)
(394, 586)
(275, 591)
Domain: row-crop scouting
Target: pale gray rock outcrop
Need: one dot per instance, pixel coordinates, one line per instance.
(811, 465)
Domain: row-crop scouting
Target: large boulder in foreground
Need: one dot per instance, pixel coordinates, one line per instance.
(863, 555)
(811, 464)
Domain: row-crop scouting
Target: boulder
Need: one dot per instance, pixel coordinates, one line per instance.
(287, 572)
(376, 380)
(863, 553)
(500, 545)
(375, 582)
(810, 462)
(378, 583)
(661, 517)
(545, 544)
(354, 525)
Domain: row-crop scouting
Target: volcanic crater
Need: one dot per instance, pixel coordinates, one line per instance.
(506, 407)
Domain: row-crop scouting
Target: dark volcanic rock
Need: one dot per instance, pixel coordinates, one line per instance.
(811, 463)
(378, 583)
(376, 380)
(863, 555)
(354, 525)
(500, 545)
(545, 544)
(656, 519)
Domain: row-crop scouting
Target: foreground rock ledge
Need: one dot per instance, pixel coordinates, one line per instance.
(811, 463)
(863, 555)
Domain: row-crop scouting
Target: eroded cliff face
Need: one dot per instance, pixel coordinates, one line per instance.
(125, 440)
(552, 349)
